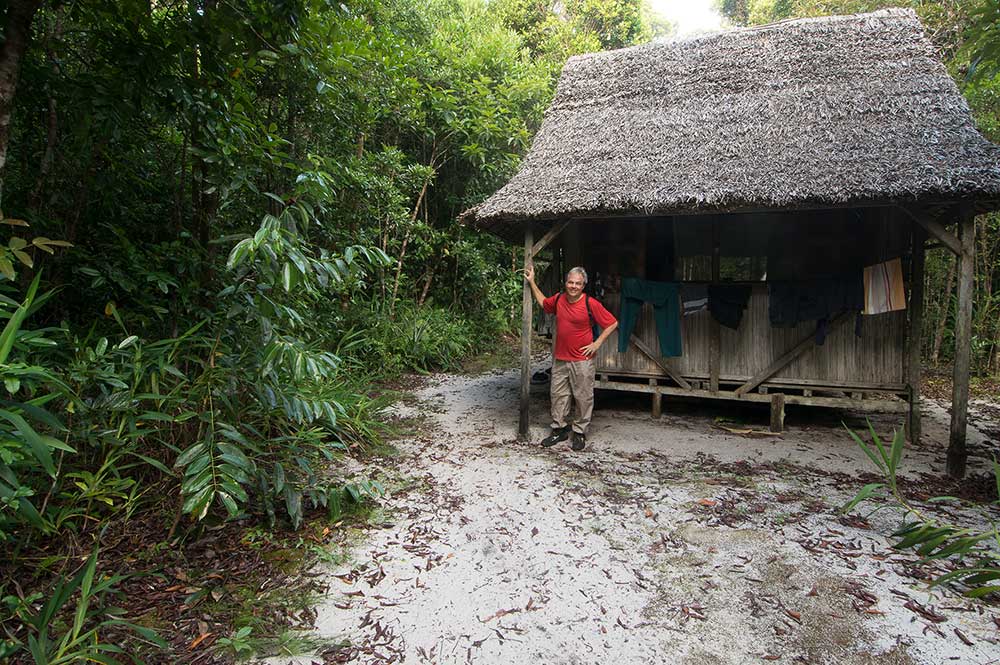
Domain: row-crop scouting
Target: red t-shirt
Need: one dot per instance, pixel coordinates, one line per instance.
(573, 330)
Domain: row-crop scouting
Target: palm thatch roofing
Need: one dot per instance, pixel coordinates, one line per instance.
(804, 113)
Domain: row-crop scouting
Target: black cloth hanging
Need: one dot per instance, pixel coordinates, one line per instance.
(726, 303)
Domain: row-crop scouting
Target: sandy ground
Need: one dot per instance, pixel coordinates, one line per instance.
(667, 541)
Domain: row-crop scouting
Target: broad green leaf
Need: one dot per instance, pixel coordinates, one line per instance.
(189, 454)
(196, 503)
(38, 446)
(128, 341)
(982, 591)
(868, 451)
(7, 268)
(24, 258)
(229, 504)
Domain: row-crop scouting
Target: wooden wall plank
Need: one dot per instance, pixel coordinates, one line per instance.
(876, 358)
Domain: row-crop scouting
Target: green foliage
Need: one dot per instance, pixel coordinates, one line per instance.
(768, 11)
(255, 205)
(23, 450)
(54, 640)
(931, 539)
(553, 31)
(418, 338)
(982, 45)
(239, 645)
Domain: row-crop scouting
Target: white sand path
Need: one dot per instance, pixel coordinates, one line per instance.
(667, 541)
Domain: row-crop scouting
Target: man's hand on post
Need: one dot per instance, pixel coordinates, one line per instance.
(529, 276)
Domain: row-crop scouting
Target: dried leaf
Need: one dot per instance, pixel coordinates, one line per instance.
(198, 640)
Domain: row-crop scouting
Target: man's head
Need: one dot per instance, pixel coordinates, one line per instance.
(576, 279)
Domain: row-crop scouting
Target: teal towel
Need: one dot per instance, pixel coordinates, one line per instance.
(665, 299)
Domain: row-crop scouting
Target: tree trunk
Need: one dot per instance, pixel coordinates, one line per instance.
(17, 35)
(406, 238)
(945, 309)
(208, 206)
(428, 278)
(51, 135)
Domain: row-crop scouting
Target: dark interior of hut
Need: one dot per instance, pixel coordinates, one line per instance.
(753, 247)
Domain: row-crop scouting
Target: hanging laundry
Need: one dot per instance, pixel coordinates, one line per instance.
(884, 290)
(820, 300)
(694, 298)
(791, 303)
(726, 303)
(665, 299)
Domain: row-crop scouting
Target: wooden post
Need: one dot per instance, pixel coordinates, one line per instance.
(915, 338)
(715, 332)
(963, 345)
(777, 412)
(657, 400)
(523, 431)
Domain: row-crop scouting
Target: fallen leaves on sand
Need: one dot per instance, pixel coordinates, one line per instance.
(747, 432)
(926, 612)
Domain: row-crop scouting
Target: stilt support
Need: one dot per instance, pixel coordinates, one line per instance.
(777, 412)
(657, 401)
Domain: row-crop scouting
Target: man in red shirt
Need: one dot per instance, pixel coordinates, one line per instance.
(575, 346)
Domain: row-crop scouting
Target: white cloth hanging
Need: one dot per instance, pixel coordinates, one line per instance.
(884, 290)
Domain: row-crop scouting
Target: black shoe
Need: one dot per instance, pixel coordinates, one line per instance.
(579, 441)
(555, 437)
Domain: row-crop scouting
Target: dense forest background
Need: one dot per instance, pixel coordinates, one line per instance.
(229, 222)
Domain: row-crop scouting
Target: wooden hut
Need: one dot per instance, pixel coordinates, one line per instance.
(789, 151)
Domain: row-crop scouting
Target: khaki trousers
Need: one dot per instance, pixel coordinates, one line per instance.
(572, 380)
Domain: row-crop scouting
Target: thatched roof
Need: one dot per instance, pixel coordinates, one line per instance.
(804, 113)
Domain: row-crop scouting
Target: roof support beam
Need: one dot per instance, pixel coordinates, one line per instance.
(799, 349)
(947, 238)
(544, 241)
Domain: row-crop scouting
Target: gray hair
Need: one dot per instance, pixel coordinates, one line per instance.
(578, 270)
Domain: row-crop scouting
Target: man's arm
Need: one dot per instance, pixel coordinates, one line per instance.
(591, 349)
(529, 274)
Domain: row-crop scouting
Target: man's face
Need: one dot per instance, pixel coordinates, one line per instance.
(574, 284)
